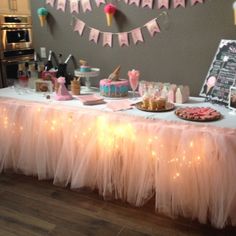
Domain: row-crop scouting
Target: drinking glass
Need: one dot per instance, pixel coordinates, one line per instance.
(133, 84)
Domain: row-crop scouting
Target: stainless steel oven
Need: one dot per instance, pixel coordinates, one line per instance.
(15, 44)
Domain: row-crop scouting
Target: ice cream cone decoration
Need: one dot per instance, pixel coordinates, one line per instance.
(42, 14)
(109, 10)
(234, 8)
(115, 75)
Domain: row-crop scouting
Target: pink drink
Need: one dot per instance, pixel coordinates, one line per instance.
(133, 82)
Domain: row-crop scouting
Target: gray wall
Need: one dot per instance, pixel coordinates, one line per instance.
(181, 53)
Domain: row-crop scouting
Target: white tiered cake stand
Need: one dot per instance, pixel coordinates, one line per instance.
(87, 75)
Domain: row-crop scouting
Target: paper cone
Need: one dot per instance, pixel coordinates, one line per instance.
(109, 18)
(42, 20)
(234, 16)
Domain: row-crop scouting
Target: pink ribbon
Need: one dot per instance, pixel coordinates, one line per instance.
(137, 35)
(107, 39)
(86, 5)
(153, 27)
(74, 6)
(50, 2)
(179, 3)
(163, 3)
(136, 2)
(123, 39)
(196, 1)
(147, 3)
(99, 2)
(61, 5)
(79, 26)
(94, 34)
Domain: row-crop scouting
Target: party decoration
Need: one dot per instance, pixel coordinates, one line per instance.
(42, 14)
(50, 2)
(193, 2)
(153, 27)
(109, 10)
(147, 3)
(94, 34)
(79, 26)
(234, 7)
(123, 39)
(61, 5)
(74, 6)
(62, 93)
(137, 35)
(86, 5)
(99, 2)
(136, 2)
(107, 39)
(163, 3)
(178, 3)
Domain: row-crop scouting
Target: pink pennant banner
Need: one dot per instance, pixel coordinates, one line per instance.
(163, 3)
(136, 2)
(99, 2)
(137, 35)
(86, 5)
(193, 2)
(50, 2)
(61, 5)
(107, 39)
(123, 39)
(79, 26)
(152, 27)
(147, 3)
(126, 1)
(94, 34)
(179, 3)
(74, 6)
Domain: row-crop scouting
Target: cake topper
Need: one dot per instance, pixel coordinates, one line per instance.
(115, 75)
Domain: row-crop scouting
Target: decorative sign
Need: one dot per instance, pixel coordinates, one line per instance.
(222, 73)
(232, 99)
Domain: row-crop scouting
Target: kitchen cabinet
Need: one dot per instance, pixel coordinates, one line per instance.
(15, 7)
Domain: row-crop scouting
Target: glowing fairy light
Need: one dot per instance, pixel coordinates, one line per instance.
(191, 144)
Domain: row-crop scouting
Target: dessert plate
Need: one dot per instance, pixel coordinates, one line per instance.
(198, 114)
(169, 107)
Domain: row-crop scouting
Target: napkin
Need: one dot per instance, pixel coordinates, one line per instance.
(120, 105)
(91, 99)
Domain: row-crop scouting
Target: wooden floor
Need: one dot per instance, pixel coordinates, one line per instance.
(31, 207)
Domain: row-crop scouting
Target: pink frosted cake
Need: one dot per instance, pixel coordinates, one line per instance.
(114, 86)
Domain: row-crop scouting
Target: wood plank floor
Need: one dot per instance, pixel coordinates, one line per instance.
(38, 208)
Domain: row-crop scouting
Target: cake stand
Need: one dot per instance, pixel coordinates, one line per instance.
(87, 75)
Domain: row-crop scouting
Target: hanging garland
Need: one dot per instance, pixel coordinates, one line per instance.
(86, 4)
(123, 37)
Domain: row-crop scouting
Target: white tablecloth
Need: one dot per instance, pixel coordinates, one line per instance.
(132, 155)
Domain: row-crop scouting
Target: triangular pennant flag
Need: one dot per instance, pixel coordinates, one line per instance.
(136, 2)
(86, 5)
(74, 6)
(179, 3)
(99, 2)
(193, 2)
(163, 3)
(123, 39)
(79, 26)
(137, 35)
(50, 2)
(61, 5)
(152, 27)
(147, 3)
(107, 39)
(94, 34)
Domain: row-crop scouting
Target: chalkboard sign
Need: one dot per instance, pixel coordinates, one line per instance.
(222, 73)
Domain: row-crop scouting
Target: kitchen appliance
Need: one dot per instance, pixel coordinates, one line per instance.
(15, 45)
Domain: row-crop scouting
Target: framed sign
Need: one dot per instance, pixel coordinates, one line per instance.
(222, 73)
(232, 98)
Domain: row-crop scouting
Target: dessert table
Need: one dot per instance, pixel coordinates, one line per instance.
(189, 167)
